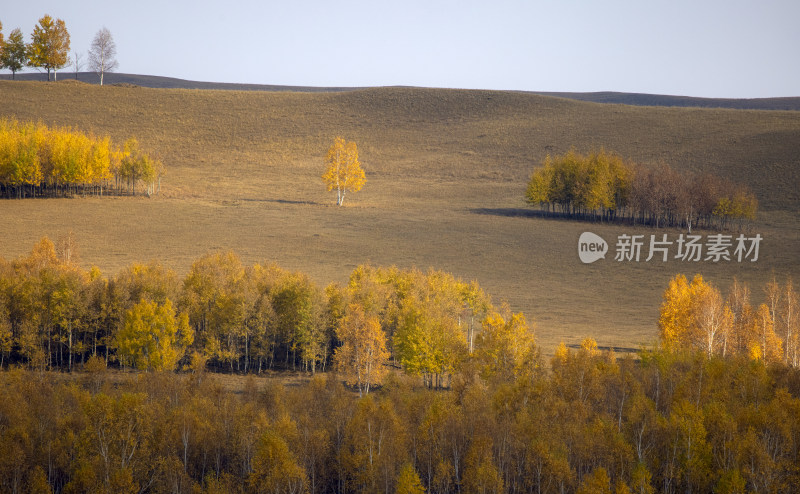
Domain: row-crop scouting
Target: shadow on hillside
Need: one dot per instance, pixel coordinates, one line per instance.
(281, 201)
(510, 212)
(615, 349)
(552, 215)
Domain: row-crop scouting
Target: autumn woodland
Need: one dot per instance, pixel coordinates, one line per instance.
(378, 290)
(415, 381)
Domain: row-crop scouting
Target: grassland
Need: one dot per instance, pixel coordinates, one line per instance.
(446, 173)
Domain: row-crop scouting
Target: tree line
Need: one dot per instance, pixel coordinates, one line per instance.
(695, 315)
(49, 49)
(36, 161)
(226, 316)
(668, 422)
(602, 186)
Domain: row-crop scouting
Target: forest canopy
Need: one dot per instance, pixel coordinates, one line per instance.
(463, 401)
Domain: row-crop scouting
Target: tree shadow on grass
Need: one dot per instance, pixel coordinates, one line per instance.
(615, 349)
(281, 201)
(532, 213)
(550, 215)
(511, 212)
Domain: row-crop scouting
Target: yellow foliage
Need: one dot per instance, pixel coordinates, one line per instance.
(590, 346)
(33, 154)
(363, 349)
(344, 172)
(408, 481)
(562, 353)
(597, 482)
(765, 344)
(688, 312)
(694, 316)
(505, 346)
(153, 336)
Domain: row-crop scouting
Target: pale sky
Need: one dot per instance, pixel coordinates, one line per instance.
(716, 48)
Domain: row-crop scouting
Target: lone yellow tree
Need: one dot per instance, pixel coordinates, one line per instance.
(344, 172)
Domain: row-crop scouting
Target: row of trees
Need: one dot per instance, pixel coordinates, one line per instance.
(235, 318)
(695, 315)
(248, 319)
(36, 160)
(49, 49)
(669, 422)
(602, 186)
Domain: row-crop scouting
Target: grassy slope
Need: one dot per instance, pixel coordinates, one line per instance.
(446, 174)
(638, 99)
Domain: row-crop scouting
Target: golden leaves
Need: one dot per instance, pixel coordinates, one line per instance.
(344, 172)
(695, 316)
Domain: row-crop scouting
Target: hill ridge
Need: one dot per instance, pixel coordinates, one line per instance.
(789, 103)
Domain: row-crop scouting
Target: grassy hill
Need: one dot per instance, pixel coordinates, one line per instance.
(446, 173)
(636, 99)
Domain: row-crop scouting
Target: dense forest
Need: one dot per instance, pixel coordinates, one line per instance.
(37, 161)
(669, 422)
(427, 386)
(602, 186)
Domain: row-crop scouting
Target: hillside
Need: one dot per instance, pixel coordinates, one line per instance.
(635, 99)
(446, 172)
(640, 99)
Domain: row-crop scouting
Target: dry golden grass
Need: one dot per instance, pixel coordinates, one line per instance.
(446, 173)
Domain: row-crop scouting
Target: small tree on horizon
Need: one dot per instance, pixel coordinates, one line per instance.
(344, 172)
(14, 55)
(77, 63)
(49, 48)
(103, 53)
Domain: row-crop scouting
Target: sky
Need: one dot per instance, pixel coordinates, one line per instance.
(706, 48)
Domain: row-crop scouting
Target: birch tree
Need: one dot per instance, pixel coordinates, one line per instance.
(103, 53)
(344, 172)
(363, 349)
(77, 63)
(790, 314)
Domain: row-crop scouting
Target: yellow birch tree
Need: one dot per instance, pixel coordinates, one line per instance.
(765, 344)
(363, 350)
(789, 315)
(344, 172)
(675, 318)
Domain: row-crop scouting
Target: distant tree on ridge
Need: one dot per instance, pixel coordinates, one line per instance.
(103, 53)
(14, 54)
(49, 48)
